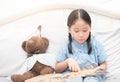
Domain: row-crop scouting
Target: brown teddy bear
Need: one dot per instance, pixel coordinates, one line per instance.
(34, 45)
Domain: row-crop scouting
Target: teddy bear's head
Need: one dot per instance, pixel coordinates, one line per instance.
(35, 45)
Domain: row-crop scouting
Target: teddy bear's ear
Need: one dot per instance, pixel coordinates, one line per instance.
(46, 42)
(23, 45)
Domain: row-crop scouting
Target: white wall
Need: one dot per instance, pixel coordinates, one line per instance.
(12, 10)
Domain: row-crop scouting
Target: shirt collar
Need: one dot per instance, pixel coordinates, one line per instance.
(78, 44)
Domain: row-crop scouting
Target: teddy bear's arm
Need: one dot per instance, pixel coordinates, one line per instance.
(46, 70)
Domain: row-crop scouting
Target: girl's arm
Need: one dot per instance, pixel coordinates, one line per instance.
(61, 66)
(103, 65)
(70, 63)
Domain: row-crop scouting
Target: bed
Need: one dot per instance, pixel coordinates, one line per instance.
(52, 16)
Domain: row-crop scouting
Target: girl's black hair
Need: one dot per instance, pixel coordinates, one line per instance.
(70, 43)
(74, 15)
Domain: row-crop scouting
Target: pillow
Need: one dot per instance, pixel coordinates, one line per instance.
(12, 35)
(110, 39)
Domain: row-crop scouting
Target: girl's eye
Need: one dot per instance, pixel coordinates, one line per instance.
(76, 31)
(85, 30)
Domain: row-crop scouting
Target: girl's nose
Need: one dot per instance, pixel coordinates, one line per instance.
(81, 34)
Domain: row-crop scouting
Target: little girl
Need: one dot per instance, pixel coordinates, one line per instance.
(81, 50)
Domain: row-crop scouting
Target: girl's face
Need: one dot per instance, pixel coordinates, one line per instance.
(80, 31)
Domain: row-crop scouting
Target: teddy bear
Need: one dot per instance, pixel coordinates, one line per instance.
(36, 45)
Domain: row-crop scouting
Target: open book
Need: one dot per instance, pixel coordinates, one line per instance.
(63, 77)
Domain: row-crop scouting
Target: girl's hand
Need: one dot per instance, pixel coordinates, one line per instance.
(73, 65)
(92, 72)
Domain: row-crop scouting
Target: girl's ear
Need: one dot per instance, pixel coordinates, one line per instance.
(90, 29)
(69, 30)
